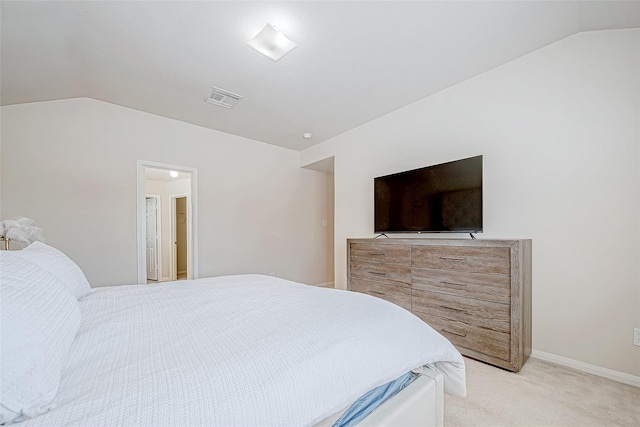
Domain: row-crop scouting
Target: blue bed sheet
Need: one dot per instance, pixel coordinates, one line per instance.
(371, 400)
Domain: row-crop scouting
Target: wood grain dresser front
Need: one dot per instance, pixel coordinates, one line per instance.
(477, 293)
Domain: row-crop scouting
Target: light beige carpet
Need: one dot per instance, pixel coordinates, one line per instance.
(541, 394)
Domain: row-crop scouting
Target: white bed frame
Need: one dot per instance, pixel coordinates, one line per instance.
(421, 403)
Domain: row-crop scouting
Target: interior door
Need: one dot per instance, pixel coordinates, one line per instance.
(181, 238)
(152, 238)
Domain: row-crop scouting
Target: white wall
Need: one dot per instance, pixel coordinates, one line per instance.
(71, 166)
(559, 131)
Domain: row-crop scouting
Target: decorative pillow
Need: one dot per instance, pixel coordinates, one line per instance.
(40, 318)
(58, 264)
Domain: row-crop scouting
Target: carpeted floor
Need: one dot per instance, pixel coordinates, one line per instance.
(541, 394)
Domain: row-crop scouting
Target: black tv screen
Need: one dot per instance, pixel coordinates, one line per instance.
(440, 198)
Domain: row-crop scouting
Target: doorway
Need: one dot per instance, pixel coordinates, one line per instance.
(152, 238)
(180, 237)
(327, 166)
(161, 185)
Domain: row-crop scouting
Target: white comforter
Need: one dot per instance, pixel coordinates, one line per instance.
(236, 350)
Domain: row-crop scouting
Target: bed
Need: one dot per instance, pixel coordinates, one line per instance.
(246, 350)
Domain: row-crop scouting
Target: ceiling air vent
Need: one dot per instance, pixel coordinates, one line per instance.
(222, 97)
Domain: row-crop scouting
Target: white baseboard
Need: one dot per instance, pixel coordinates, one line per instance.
(588, 368)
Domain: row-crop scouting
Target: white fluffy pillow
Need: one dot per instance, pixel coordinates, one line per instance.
(58, 264)
(40, 318)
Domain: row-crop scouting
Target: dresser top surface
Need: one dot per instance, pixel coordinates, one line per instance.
(440, 241)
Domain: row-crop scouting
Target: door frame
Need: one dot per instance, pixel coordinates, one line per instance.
(141, 231)
(173, 274)
(158, 236)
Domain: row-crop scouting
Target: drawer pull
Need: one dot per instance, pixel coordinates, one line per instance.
(375, 253)
(454, 258)
(452, 283)
(461, 310)
(454, 333)
(378, 273)
(377, 293)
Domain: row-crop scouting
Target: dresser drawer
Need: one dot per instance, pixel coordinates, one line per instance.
(495, 260)
(388, 254)
(490, 287)
(486, 314)
(384, 273)
(399, 295)
(485, 341)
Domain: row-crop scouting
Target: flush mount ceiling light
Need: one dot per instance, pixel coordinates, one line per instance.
(272, 43)
(173, 174)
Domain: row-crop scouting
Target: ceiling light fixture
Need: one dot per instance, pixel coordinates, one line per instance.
(272, 43)
(307, 135)
(173, 174)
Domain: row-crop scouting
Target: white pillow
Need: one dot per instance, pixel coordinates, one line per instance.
(58, 264)
(40, 318)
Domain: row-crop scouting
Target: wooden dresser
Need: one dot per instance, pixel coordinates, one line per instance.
(477, 293)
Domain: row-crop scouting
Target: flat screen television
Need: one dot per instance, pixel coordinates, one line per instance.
(434, 199)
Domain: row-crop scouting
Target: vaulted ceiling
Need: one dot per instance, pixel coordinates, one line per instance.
(355, 60)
